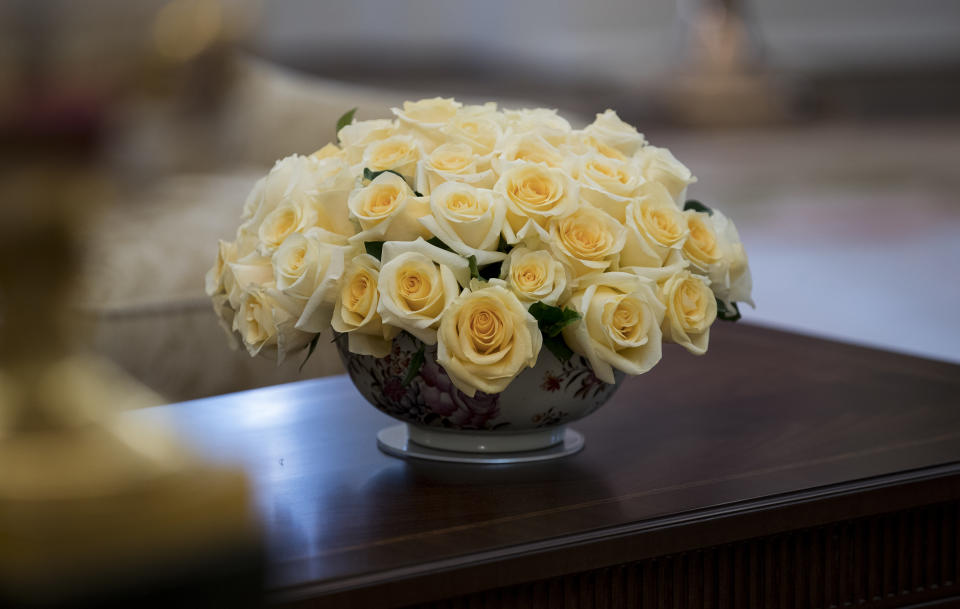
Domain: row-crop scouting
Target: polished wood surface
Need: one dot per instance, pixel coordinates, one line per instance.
(769, 432)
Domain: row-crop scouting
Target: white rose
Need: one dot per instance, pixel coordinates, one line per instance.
(356, 309)
(610, 129)
(731, 279)
(480, 127)
(451, 163)
(265, 328)
(250, 272)
(523, 148)
(542, 121)
(417, 283)
(691, 310)
(307, 272)
(608, 184)
(586, 240)
(355, 138)
(428, 116)
(702, 248)
(655, 227)
(619, 326)
(467, 219)
(387, 210)
(486, 339)
(399, 153)
(535, 194)
(659, 165)
(534, 276)
(214, 279)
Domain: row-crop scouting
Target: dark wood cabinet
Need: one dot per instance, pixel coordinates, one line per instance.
(776, 471)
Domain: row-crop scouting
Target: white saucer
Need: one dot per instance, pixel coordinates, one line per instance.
(393, 441)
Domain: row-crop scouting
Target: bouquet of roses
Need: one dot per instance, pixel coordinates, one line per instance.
(490, 233)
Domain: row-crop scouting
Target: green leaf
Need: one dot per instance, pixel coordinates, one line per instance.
(503, 247)
(559, 348)
(310, 348)
(474, 270)
(345, 120)
(491, 271)
(374, 248)
(436, 242)
(370, 175)
(697, 206)
(416, 362)
(552, 319)
(727, 314)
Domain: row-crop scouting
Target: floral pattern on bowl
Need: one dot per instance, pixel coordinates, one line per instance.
(549, 394)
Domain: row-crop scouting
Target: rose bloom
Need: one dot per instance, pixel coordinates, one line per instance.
(691, 310)
(608, 184)
(307, 270)
(542, 121)
(586, 240)
(478, 126)
(356, 137)
(702, 247)
(467, 219)
(659, 165)
(388, 210)
(534, 276)
(534, 195)
(265, 328)
(356, 314)
(526, 148)
(399, 153)
(486, 339)
(655, 227)
(730, 278)
(609, 130)
(451, 163)
(417, 283)
(619, 326)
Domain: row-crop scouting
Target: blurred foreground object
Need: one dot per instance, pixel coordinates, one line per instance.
(723, 81)
(95, 510)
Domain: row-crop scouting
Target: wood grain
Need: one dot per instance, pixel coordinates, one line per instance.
(768, 434)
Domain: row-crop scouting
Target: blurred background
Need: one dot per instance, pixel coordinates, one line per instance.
(829, 131)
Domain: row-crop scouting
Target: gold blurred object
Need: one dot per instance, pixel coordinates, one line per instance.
(94, 505)
(723, 81)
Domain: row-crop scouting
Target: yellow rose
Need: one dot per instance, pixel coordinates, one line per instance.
(730, 278)
(214, 279)
(250, 272)
(427, 115)
(467, 219)
(306, 271)
(486, 339)
(702, 247)
(691, 310)
(619, 326)
(535, 194)
(526, 148)
(356, 137)
(265, 328)
(399, 153)
(417, 283)
(608, 184)
(659, 165)
(610, 130)
(356, 309)
(478, 126)
(534, 276)
(542, 121)
(586, 240)
(328, 151)
(451, 162)
(387, 210)
(655, 227)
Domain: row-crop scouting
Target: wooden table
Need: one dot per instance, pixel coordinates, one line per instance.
(776, 471)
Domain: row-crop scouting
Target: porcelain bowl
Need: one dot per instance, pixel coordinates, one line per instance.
(530, 414)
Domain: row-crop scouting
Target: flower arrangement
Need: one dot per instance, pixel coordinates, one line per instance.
(491, 234)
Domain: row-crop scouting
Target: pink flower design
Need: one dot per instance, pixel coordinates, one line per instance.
(443, 398)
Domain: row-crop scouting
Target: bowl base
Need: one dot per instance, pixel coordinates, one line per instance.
(395, 441)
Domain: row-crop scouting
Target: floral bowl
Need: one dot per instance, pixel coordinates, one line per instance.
(530, 414)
